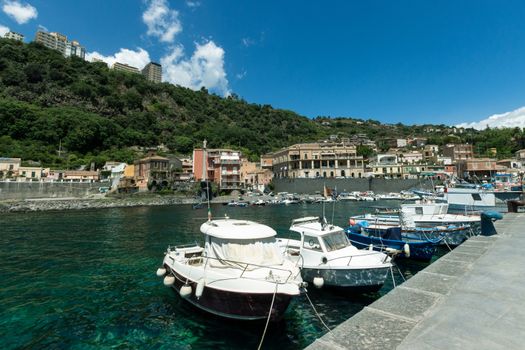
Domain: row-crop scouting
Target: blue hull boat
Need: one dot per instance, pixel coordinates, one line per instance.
(391, 239)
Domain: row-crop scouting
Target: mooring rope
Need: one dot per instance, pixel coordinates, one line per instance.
(268, 318)
(392, 274)
(316, 313)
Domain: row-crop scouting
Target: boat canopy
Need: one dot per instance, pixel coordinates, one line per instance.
(247, 254)
(236, 229)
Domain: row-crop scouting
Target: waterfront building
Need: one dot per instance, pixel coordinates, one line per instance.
(478, 167)
(59, 42)
(411, 157)
(9, 167)
(257, 179)
(267, 161)
(29, 173)
(520, 155)
(80, 176)
(430, 153)
(125, 68)
(458, 152)
(153, 72)
(153, 170)
(387, 166)
(223, 167)
(319, 159)
(14, 36)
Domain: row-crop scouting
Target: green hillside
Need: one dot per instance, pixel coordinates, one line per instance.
(93, 113)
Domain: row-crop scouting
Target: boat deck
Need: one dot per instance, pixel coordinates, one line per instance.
(471, 298)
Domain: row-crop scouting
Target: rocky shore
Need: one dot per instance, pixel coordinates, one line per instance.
(48, 204)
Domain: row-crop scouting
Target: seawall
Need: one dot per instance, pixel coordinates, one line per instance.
(31, 190)
(311, 186)
(471, 298)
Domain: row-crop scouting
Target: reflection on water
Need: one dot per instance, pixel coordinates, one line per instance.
(86, 279)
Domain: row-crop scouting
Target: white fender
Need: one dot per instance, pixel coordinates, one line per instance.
(371, 247)
(185, 291)
(161, 272)
(169, 280)
(406, 249)
(199, 289)
(318, 282)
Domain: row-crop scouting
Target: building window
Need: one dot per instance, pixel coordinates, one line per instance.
(331, 174)
(324, 173)
(305, 156)
(343, 173)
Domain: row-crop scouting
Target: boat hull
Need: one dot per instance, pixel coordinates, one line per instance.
(421, 251)
(233, 305)
(356, 279)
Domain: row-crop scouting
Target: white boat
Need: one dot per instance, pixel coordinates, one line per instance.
(389, 196)
(368, 196)
(327, 257)
(470, 197)
(430, 214)
(238, 273)
(345, 196)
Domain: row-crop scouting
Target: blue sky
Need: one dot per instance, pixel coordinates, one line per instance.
(394, 61)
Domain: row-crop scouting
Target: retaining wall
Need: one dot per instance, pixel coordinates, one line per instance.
(30, 190)
(310, 186)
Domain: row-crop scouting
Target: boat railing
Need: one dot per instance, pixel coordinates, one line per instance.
(243, 267)
(351, 257)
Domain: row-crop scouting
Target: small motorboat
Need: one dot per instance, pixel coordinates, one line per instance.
(327, 257)
(240, 273)
(391, 241)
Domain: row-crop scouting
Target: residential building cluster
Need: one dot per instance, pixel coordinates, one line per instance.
(230, 170)
(59, 42)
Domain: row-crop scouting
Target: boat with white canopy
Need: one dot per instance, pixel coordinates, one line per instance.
(240, 272)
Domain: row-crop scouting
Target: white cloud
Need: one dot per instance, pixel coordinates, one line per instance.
(515, 118)
(205, 68)
(3, 30)
(162, 22)
(138, 58)
(247, 42)
(20, 12)
(241, 75)
(193, 4)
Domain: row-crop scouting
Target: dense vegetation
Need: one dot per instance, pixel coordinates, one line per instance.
(93, 114)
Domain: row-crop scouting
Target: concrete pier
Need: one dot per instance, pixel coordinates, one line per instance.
(471, 298)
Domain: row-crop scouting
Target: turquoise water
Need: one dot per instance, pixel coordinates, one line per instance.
(86, 280)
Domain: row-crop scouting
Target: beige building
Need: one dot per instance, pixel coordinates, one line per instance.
(458, 152)
(320, 159)
(9, 167)
(29, 173)
(153, 72)
(410, 157)
(125, 68)
(14, 36)
(80, 176)
(59, 42)
(152, 170)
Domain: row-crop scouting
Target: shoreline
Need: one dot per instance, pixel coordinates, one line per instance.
(59, 204)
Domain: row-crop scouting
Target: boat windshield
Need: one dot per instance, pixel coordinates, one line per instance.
(239, 252)
(335, 241)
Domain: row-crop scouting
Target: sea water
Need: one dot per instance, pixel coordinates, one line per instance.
(85, 279)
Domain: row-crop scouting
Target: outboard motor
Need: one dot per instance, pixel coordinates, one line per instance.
(487, 222)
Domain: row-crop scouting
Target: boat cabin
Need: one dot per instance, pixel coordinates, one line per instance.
(318, 236)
